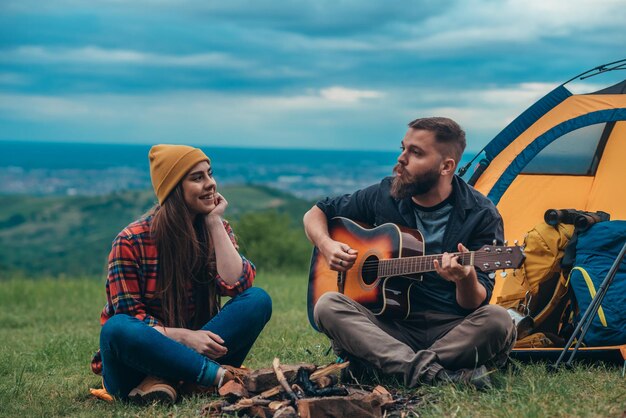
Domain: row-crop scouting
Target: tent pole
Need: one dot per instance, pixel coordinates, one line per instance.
(593, 307)
(599, 70)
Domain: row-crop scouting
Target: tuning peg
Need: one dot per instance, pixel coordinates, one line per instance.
(495, 242)
(503, 274)
(505, 242)
(516, 242)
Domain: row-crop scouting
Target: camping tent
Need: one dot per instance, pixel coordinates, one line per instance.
(565, 151)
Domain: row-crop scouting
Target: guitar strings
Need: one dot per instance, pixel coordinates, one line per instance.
(410, 262)
(419, 260)
(407, 261)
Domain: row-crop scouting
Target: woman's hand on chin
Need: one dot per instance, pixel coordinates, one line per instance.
(220, 207)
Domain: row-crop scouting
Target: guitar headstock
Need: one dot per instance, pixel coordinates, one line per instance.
(491, 257)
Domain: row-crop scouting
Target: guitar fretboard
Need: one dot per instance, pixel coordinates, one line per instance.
(418, 264)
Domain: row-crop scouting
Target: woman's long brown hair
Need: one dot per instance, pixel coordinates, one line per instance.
(185, 253)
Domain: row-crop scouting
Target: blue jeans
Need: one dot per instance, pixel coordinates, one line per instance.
(131, 349)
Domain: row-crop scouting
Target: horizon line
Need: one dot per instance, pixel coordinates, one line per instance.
(287, 148)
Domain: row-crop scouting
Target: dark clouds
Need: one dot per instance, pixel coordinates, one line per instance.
(411, 57)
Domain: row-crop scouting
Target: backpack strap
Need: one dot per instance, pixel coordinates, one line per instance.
(592, 291)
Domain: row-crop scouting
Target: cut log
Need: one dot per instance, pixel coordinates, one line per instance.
(276, 405)
(333, 368)
(339, 406)
(269, 393)
(317, 375)
(253, 401)
(286, 412)
(239, 373)
(282, 379)
(264, 379)
(385, 397)
(233, 390)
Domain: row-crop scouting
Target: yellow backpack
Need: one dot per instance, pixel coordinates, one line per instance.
(538, 289)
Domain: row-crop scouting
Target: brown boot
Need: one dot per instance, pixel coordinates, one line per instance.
(153, 389)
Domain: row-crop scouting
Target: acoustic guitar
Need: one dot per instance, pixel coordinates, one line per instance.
(390, 260)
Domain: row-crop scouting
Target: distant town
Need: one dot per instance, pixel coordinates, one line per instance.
(85, 169)
(302, 181)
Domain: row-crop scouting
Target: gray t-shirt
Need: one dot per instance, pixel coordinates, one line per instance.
(433, 293)
(431, 222)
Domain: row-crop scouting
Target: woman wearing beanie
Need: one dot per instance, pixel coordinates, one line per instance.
(163, 323)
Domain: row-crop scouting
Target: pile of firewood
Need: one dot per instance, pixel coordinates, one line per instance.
(301, 390)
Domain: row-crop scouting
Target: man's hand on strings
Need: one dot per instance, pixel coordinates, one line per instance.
(340, 256)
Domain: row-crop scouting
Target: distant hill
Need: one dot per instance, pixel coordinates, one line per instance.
(54, 236)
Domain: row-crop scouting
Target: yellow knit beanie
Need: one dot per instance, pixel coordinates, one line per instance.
(169, 164)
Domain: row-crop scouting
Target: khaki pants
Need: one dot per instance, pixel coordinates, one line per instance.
(419, 347)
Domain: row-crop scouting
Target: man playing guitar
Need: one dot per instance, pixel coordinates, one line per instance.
(451, 333)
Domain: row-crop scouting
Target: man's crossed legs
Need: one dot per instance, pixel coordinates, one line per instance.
(421, 349)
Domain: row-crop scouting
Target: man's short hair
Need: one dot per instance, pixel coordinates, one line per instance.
(447, 132)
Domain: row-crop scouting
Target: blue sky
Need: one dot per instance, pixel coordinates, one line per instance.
(305, 74)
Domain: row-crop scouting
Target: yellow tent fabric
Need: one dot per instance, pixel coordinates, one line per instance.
(521, 198)
(608, 192)
(523, 204)
(570, 108)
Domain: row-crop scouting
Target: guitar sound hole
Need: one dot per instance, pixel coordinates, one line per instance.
(370, 270)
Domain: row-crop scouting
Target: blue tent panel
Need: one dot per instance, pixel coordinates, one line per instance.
(517, 165)
(525, 120)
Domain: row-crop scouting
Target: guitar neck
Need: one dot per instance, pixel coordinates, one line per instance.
(418, 264)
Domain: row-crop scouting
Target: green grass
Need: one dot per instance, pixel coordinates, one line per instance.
(49, 330)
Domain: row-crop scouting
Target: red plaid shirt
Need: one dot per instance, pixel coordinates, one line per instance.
(131, 281)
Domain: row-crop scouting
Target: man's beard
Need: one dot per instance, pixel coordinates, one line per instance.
(406, 185)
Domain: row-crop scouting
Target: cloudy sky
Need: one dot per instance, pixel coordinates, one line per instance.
(306, 74)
